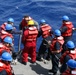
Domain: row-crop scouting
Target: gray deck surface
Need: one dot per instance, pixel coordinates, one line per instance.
(39, 69)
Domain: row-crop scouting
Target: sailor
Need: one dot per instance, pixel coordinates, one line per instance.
(46, 33)
(29, 39)
(66, 30)
(9, 21)
(24, 23)
(5, 66)
(71, 70)
(6, 32)
(70, 53)
(56, 48)
(6, 45)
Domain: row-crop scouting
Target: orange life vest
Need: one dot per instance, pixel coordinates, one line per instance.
(72, 55)
(6, 67)
(69, 25)
(58, 39)
(45, 30)
(32, 34)
(23, 23)
(67, 72)
(3, 26)
(4, 34)
(3, 47)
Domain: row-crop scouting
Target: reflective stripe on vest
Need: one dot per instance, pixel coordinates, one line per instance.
(33, 32)
(60, 40)
(69, 25)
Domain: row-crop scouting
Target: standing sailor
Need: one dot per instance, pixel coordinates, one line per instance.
(56, 48)
(29, 39)
(66, 30)
(24, 23)
(46, 32)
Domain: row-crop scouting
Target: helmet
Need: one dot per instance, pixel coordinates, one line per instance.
(8, 27)
(42, 21)
(66, 18)
(57, 32)
(31, 22)
(11, 20)
(8, 40)
(70, 44)
(6, 56)
(71, 63)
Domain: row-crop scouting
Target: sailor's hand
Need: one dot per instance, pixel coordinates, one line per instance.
(49, 42)
(12, 45)
(58, 51)
(52, 52)
(14, 28)
(74, 28)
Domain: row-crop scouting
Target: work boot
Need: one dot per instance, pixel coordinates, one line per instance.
(39, 59)
(25, 63)
(14, 62)
(33, 63)
(48, 58)
(52, 72)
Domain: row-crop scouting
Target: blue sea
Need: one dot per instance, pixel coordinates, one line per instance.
(50, 10)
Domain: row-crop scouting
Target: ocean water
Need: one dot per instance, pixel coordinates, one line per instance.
(50, 10)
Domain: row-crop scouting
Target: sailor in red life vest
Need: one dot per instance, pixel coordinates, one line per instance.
(70, 53)
(66, 30)
(6, 32)
(6, 45)
(71, 70)
(5, 64)
(24, 23)
(56, 48)
(29, 39)
(10, 21)
(46, 33)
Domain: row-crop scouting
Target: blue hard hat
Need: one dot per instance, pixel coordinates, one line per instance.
(8, 27)
(42, 21)
(66, 18)
(70, 44)
(8, 40)
(6, 56)
(11, 20)
(71, 63)
(57, 32)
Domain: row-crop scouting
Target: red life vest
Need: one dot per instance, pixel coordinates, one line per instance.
(32, 34)
(3, 47)
(58, 39)
(3, 26)
(67, 72)
(69, 25)
(45, 30)
(6, 67)
(72, 55)
(5, 34)
(23, 23)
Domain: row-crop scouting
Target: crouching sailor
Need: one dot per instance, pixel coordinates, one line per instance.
(5, 67)
(71, 68)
